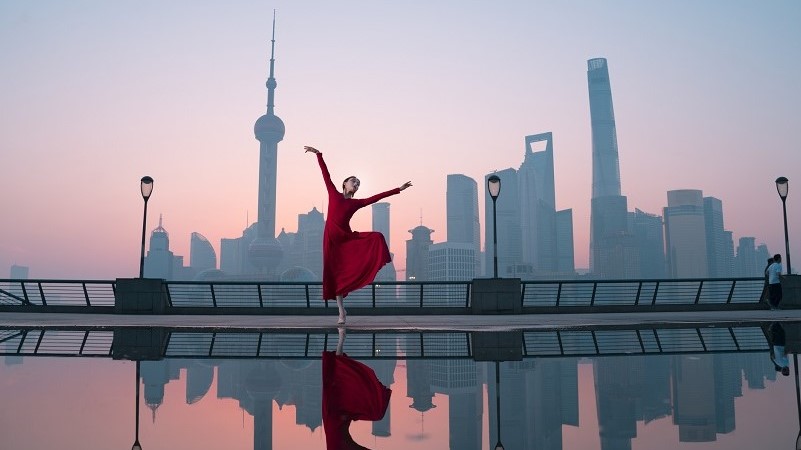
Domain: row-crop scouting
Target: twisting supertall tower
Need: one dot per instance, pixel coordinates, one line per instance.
(611, 251)
(265, 251)
(605, 165)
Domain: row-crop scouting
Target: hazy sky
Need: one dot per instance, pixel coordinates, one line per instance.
(97, 94)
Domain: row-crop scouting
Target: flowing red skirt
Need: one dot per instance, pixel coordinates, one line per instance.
(351, 261)
(351, 391)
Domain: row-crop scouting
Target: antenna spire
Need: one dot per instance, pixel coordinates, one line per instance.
(271, 83)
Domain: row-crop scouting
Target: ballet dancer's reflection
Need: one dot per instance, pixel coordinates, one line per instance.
(351, 391)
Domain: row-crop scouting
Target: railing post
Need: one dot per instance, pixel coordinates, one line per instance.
(656, 290)
(594, 287)
(213, 296)
(731, 291)
(558, 294)
(86, 294)
(637, 299)
(372, 286)
(41, 293)
(261, 299)
(421, 295)
(25, 293)
(698, 294)
(308, 297)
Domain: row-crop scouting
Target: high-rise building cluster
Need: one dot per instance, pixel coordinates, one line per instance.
(534, 238)
(688, 241)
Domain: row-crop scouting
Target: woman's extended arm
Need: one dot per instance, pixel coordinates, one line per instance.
(370, 200)
(329, 185)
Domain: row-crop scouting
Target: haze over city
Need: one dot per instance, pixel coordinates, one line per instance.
(97, 95)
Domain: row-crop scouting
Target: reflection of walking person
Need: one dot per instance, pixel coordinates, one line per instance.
(351, 259)
(778, 351)
(351, 391)
(774, 282)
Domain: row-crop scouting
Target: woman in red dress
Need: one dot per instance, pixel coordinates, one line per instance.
(351, 259)
(351, 391)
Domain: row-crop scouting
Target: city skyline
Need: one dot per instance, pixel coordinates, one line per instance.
(698, 105)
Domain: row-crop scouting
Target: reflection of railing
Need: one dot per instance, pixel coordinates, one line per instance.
(454, 295)
(391, 345)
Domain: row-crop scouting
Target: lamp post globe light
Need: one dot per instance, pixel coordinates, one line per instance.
(146, 187)
(783, 187)
(494, 188)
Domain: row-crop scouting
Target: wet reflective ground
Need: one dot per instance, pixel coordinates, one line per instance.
(657, 388)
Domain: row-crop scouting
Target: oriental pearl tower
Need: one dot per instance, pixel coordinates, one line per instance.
(265, 252)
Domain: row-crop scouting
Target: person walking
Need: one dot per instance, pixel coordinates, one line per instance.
(351, 259)
(775, 282)
(765, 297)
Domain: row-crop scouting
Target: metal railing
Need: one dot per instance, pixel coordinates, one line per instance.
(234, 344)
(401, 294)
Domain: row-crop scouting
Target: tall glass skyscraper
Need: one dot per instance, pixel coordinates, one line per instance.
(610, 240)
(463, 226)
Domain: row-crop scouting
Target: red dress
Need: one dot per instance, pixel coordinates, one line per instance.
(351, 259)
(351, 391)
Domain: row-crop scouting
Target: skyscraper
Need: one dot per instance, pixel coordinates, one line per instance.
(201, 254)
(463, 226)
(685, 234)
(160, 261)
(609, 236)
(605, 166)
(381, 224)
(719, 259)
(417, 253)
(265, 251)
(538, 205)
(648, 233)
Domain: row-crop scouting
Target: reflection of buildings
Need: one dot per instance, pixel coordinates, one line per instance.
(537, 398)
(458, 379)
(698, 390)
(627, 390)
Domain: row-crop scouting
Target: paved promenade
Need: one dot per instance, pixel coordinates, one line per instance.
(403, 323)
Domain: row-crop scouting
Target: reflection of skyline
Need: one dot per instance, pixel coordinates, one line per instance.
(693, 394)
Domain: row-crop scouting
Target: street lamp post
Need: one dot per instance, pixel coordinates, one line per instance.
(494, 188)
(498, 446)
(783, 187)
(146, 187)
(136, 445)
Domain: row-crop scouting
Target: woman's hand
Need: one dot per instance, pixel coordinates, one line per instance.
(310, 149)
(405, 185)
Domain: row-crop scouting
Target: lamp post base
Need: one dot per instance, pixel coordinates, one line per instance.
(496, 296)
(140, 296)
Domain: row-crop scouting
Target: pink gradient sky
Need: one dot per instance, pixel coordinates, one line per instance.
(98, 94)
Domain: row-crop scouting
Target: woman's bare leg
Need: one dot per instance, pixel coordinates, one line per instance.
(341, 341)
(342, 313)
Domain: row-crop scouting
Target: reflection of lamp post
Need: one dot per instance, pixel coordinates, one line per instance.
(147, 188)
(494, 188)
(797, 402)
(498, 446)
(136, 445)
(783, 187)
